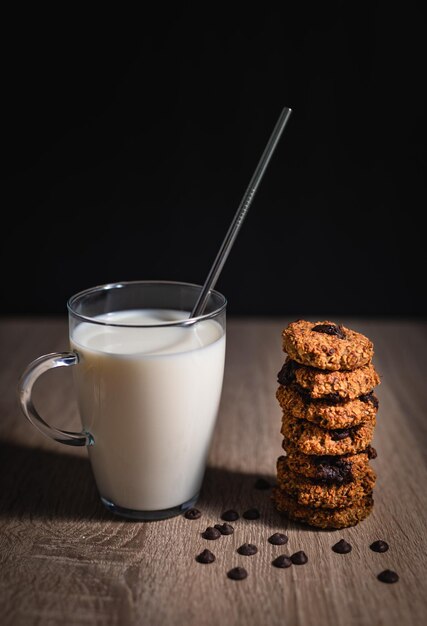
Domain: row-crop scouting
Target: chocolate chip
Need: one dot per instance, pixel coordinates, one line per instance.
(340, 433)
(278, 539)
(247, 549)
(237, 573)
(304, 394)
(282, 561)
(205, 557)
(332, 398)
(335, 471)
(211, 533)
(342, 547)
(306, 397)
(262, 484)
(329, 329)
(371, 452)
(379, 546)
(230, 516)
(325, 459)
(287, 374)
(388, 576)
(251, 514)
(225, 529)
(192, 514)
(299, 558)
(370, 397)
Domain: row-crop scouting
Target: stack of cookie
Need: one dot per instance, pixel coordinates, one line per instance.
(329, 413)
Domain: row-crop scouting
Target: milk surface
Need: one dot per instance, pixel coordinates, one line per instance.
(149, 397)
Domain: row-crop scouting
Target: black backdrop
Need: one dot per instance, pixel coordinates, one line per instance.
(127, 147)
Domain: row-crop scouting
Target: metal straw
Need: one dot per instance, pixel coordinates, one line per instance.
(241, 213)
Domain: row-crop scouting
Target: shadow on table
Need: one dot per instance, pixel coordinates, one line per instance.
(225, 489)
(38, 483)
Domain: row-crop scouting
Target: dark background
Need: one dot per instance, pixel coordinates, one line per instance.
(127, 145)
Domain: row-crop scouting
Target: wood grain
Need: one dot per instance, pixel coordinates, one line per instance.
(64, 560)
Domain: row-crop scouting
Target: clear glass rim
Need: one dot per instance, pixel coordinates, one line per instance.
(119, 285)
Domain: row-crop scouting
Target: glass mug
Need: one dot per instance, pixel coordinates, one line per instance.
(148, 380)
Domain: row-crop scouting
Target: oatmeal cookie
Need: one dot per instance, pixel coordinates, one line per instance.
(326, 345)
(309, 438)
(317, 383)
(322, 518)
(317, 494)
(326, 413)
(328, 469)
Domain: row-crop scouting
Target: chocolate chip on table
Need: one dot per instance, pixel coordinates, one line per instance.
(282, 561)
(192, 514)
(278, 539)
(225, 529)
(251, 514)
(230, 516)
(205, 557)
(211, 533)
(342, 547)
(379, 546)
(329, 329)
(237, 573)
(262, 484)
(388, 576)
(247, 549)
(299, 558)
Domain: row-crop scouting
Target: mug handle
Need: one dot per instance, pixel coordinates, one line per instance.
(25, 387)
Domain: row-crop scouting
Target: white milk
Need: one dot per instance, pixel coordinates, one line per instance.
(149, 397)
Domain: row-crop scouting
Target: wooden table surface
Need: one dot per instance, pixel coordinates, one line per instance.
(65, 560)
